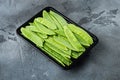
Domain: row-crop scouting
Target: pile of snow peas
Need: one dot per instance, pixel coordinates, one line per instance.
(59, 39)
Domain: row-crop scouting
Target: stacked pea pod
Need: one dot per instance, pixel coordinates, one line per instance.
(59, 39)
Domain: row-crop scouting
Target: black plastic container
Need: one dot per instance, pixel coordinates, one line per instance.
(75, 62)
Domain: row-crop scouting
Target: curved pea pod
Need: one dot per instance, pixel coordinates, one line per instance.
(53, 50)
(72, 39)
(75, 55)
(81, 33)
(46, 23)
(33, 29)
(31, 24)
(81, 40)
(44, 36)
(32, 37)
(59, 26)
(59, 18)
(60, 52)
(61, 47)
(52, 41)
(47, 16)
(62, 40)
(58, 47)
(59, 32)
(42, 29)
(54, 55)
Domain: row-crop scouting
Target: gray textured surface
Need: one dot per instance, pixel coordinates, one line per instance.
(21, 61)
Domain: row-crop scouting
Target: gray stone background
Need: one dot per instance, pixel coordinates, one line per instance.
(19, 60)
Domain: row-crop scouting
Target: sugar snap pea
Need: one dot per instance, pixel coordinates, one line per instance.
(46, 22)
(32, 37)
(81, 33)
(72, 39)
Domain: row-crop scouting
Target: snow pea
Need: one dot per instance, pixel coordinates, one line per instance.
(61, 47)
(81, 33)
(47, 16)
(32, 37)
(43, 29)
(46, 23)
(81, 40)
(59, 18)
(75, 55)
(72, 39)
(54, 55)
(64, 41)
(44, 36)
(53, 50)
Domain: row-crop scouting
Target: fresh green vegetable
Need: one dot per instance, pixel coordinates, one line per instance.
(54, 55)
(60, 19)
(59, 48)
(64, 41)
(46, 22)
(42, 35)
(60, 40)
(81, 40)
(72, 39)
(33, 37)
(43, 29)
(62, 53)
(52, 41)
(47, 16)
(81, 33)
(56, 22)
(75, 55)
(51, 49)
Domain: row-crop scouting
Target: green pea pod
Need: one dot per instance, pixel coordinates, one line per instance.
(75, 55)
(81, 40)
(59, 18)
(46, 23)
(42, 29)
(59, 32)
(47, 16)
(81, 33)
(63, 40)
(59, 26)
(54, 55)
(52, 41)
(32, 24)
(72, 39)
(56, 52)
(59, 46)
(44, 36)
(33, 29)
(32, 37)
(58, 49)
